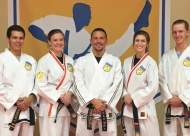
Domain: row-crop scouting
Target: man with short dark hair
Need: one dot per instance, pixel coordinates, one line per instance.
(99, 84)
(17, 94)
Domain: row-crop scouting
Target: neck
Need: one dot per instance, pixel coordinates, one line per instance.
(180, 48)
(140, 55)
(58, 53)
(98, 54)
(15, 53)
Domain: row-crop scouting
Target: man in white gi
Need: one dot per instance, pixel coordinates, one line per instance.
(99, 84)
(17, 94)
(174, 76)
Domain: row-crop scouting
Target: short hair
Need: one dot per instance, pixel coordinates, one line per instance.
(142, 32)
(99, 29)
(54, 31)
(14, 28)
(181, 21)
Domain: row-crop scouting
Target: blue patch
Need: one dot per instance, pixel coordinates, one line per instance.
(142, 68)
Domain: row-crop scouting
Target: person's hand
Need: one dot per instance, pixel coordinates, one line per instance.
(66, 98)
(99, 105)
(128, 100)
(25, 102)
(175, 101)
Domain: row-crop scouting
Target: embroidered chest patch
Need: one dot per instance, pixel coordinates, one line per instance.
(69, 67)
(28, 66)
(140, 70)
(186, 62)
(107, 67)
(39, 75)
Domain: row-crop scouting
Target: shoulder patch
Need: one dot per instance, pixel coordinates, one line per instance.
(107, 67)
(140, 70)
(28, 66)
(39, 75)
(186, 62)
(69, 67)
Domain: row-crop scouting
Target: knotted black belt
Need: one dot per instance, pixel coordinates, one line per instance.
(186, 115)
(69, 108)
(16, 117)
(122, 119)
(90, 118)
(135, 118)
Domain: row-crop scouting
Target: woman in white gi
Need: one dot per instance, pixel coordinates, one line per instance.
(174, 76)
(140, 86)
(54, 79)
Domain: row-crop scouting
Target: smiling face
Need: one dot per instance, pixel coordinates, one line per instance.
(180, 33)
(16, 42)
(56, 42)
(98, 41)
(140, 44)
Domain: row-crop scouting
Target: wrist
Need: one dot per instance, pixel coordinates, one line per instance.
(92, 101)
(69, 93)
(32, 97)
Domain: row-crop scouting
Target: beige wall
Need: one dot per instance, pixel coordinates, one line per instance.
(3, 24)
(179, 10)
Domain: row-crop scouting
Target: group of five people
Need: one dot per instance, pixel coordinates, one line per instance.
(97, 81)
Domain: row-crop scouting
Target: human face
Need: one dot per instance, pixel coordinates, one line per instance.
(140, 45)
(180, 34)
(98, 42)
(57, 43)
(16, 42)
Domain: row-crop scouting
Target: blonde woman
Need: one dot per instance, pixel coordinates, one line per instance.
(54, 79)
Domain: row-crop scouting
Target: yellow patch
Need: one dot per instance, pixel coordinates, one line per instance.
(69, 67)
(139, 71)
(186, 62)
(28, 66)
(39, 75)
(107, 67)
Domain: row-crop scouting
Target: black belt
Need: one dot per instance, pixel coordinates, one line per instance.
(136, 120)
(90, 118)
(122, 119)
(186, 115)
(69, 108)
(16, 117)
(135, 117)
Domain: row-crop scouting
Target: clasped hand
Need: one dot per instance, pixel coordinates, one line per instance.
(99, 105)
(66, 98)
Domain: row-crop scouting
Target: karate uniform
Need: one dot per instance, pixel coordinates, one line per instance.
(53, 79)
(141, 82)
(16, 81)
(174, 76)
(101, 80)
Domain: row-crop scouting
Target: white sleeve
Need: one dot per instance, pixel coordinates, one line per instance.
(81, 91)
(124, 78)
(113, 94)
(46, 90)
(8, 96)
(166, 95)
